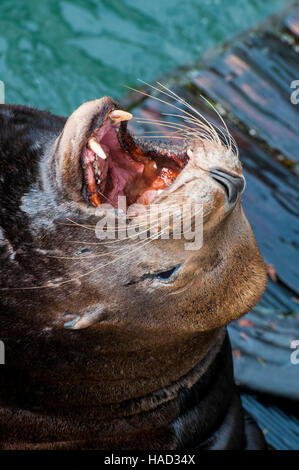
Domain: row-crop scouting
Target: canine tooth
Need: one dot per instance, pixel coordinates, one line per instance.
(119, 115)
(94, 145)
(190, 153)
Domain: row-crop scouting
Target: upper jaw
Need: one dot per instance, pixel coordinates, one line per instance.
(115, 163)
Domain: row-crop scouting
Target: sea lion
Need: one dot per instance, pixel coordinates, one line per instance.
(119, 344)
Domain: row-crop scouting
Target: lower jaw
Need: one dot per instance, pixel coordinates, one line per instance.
(114, 165)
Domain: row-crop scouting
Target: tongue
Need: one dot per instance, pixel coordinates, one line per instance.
(126, 170)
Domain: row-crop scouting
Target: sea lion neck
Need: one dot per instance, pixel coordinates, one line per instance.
(106, 370)
(113, 411)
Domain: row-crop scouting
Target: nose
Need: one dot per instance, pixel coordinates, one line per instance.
(233, 184)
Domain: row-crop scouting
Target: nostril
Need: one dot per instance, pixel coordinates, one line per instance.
(232, 183)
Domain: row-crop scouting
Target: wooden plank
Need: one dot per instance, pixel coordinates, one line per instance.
(249, 80)
(252, 81)
(292, 23)
(280, 429)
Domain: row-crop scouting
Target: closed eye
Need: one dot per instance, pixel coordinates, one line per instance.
(167, 275)
(162, 276)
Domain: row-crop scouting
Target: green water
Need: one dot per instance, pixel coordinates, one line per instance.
(55, 54)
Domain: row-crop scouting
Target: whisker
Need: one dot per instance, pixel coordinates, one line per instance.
(139, 225)
(102, 194)
(211, 131)
(104, 265)
(160, 137)
(108, 254)
(89, 272)
(185, 103)
(192, 120)
(164, 123)
(225, 135)
(171, 94)
(221, 118)
(168, 104)
(192, 132)
(229, 140)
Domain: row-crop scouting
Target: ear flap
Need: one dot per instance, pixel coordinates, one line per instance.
(91, 316)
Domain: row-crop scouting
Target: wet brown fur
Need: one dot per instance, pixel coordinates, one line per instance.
(119, 382)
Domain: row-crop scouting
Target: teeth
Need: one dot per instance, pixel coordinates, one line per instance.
(94, 145)
(118, 115)
(189, 153)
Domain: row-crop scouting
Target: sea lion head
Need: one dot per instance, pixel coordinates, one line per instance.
(177, 285)
(94, 301)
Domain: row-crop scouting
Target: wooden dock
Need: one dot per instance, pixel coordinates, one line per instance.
(249, 80)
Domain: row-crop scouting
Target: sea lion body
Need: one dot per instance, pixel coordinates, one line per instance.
(117, 349)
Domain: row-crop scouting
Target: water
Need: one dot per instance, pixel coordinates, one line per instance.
(55, 54)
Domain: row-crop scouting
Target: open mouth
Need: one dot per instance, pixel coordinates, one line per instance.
(117, 164)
